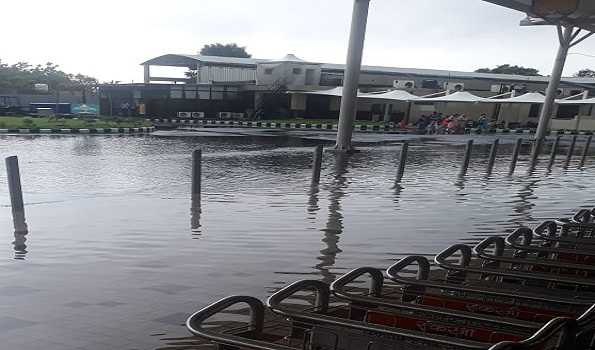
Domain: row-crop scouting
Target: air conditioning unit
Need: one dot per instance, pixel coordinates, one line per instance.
(567, 92)
(453, 86)
(404, 84)
(184, 115)
(501, 88)
(198, 115)
(224, 115)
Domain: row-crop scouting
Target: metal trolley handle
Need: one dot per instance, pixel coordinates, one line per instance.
(423, 268)
(320, 289)
(522, 238)
(567, 329)
(499, 244)
(463, 267)
(376, 282)
(195, 324)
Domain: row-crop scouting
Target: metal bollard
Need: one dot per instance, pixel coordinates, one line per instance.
(554, 152)
(586, 151)
(402, 161)
(196, 172)
(465, 165)
(570, 152)
(16, 194)
(317, 164)
(515, 155)
(493, 153)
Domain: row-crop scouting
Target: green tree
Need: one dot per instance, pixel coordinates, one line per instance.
(225, 50)
(585, 73)
(508, 69)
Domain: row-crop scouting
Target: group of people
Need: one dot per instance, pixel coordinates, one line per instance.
(437, 123)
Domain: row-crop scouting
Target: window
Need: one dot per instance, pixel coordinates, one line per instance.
(297, 71)
(268, 71)
(430, 84)
(534, 111)
(568, 111)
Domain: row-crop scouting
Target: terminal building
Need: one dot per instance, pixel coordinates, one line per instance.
(292, 87)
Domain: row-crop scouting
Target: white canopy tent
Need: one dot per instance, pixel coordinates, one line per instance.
(338, 92)
(460, 96)
(531, 97)
(587, 101)
(394, 95)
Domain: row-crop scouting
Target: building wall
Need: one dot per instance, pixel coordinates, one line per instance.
(291, 74)
(209, 74)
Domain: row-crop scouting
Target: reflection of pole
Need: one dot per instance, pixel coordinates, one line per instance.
(16, 194)
(20, 248)
(196, 172)
(195, 211)
(586, 151)
(334, 225)
(352, 72)
(566, 36)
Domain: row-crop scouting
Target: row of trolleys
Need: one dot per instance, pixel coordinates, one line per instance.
(534, 289)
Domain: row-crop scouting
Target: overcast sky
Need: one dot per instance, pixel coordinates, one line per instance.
(108, 39)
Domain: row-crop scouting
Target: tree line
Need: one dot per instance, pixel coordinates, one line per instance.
(520, 70)
(21, 77)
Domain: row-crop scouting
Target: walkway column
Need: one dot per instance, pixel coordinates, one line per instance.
(147, 73)
(552, 90)
(348, 111)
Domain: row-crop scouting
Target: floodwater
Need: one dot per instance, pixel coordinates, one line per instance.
(118, 255)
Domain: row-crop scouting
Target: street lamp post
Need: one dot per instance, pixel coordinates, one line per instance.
(352, 73)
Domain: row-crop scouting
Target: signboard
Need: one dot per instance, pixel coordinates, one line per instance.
(84, 109)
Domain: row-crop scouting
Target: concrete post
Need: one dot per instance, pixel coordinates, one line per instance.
(317, 164)
(147, 75)
(586, 151)
(492, 158)
(552, 92)
(515, 155)
(16, 194)
(570, 152)
(196, 173)
(352, 72)
(387, 108)
(554, 152)
(402, 161)
(467, 158)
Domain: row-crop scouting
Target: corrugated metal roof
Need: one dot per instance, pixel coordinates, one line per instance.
(186, 60)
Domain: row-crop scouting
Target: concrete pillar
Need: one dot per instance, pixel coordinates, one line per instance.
(147, 73)
(387, 110)
(552, 90)
(352, 72)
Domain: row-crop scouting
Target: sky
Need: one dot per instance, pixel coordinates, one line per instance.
(108, 39)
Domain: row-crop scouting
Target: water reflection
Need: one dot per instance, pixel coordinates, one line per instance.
(522, 205)
(334, 223)
(20, 248)
(195, 211)
(313, 199)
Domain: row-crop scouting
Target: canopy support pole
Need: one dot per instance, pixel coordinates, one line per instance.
(352, 72)
(566, 37)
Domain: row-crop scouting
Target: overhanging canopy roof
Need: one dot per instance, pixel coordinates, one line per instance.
(579, 13)
(460, 96)
(338, 92)
(394, 95)
(588, 101)
(531, 97)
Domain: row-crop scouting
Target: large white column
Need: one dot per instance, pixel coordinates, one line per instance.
(552, 91)
(352, 72)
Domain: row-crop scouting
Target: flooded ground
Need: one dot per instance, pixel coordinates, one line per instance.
(118, 256)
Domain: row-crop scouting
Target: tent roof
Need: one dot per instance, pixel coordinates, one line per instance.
(395, 95)
(460, 96)
(338, 91)
(588, 101)
(531, 97)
